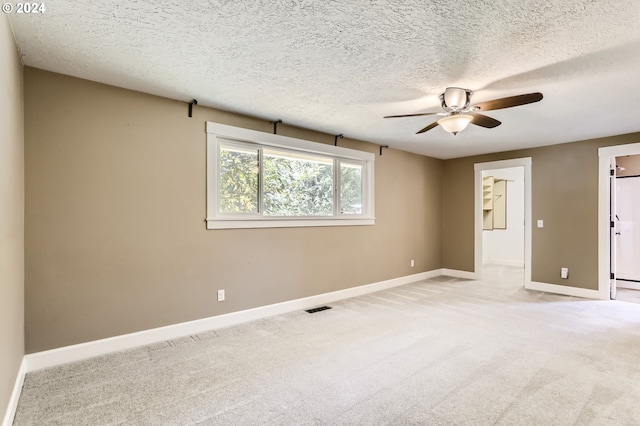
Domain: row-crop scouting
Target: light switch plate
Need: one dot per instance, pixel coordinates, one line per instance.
(540, 223)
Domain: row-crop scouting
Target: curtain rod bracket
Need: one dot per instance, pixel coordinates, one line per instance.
(335, 140)
(275, 126)
(383, 146)
(191, 104)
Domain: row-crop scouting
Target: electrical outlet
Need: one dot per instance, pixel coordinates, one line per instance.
(220, 295)
(564, 273)
(413, 263)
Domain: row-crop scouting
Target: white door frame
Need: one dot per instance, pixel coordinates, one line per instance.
(502, 164)
(604, 250)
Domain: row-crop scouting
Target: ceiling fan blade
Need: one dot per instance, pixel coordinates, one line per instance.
(429, 127)
(411, 115)
(511, 101)
(484, 120)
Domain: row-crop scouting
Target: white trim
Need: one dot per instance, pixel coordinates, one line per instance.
(503, 164)
(631, 285)
(566, 290)
(460, 274)
(53, 357)
(604, 156)
(222, 133)
(280, 141)
(10, 413)
(504, 262)
(254, 224)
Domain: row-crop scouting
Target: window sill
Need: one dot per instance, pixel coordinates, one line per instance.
(284, 223)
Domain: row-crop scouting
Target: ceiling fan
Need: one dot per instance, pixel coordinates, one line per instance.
(458, 111)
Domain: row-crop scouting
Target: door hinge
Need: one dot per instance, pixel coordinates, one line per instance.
(612, 224)
(612, 172)
(612, 276)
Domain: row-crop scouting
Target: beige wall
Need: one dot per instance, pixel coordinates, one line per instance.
(115, 207)
(631, 164)
(564, 195)
(11, 214)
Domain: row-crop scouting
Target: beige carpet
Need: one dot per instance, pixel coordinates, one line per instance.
(438, 352)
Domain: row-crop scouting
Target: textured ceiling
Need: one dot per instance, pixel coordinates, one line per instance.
(340, 66)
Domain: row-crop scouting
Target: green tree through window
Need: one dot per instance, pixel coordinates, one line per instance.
(297, 185)
(255, 181)
(238, 177)
(350, 188)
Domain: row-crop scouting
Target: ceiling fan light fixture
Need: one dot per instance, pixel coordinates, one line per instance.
(455, 123)
(458, 111)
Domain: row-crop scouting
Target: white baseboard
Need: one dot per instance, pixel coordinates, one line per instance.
(460, 274)
(51, 358)
(10, 413)
(504, 262)
(632, 285)
(66, 354)
(564, 290)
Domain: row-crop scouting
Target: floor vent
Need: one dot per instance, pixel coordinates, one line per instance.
(314, 310)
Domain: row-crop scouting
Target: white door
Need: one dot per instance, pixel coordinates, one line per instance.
(613, 220)
(628, 229)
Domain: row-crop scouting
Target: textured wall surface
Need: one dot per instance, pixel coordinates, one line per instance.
(340, 66)
(564, 194)
(11, 214)
(115, 207)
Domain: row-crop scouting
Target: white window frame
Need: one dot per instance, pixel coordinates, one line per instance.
(223, 134)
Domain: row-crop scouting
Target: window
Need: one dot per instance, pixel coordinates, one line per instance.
(238, 179)
(257, 180)
(350, 187)
(297, 184)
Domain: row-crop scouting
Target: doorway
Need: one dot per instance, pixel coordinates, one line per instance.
(627, 227)
(606, 256)
(510, 242)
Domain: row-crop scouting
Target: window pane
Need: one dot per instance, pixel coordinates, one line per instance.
(297, 184)
(238, 179)
(350, 188)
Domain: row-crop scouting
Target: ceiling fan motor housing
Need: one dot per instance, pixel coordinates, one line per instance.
(455, 99)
